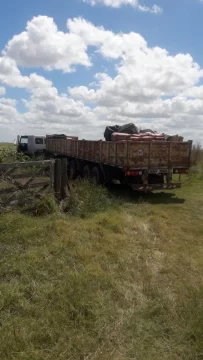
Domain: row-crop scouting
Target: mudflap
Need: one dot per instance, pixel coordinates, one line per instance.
(154, 187)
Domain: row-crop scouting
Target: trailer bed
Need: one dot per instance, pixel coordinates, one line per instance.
(128, 155)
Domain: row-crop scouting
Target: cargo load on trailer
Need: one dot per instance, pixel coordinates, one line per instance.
(145, 161)
(132, 132)
(126, 129)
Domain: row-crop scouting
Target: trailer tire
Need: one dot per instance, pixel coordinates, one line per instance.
(97, 176)
(73, 170)
(86, 172)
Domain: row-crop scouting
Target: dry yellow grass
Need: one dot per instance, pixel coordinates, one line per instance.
(123, 284)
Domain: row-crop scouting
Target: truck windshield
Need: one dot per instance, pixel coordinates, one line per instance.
(24, 139)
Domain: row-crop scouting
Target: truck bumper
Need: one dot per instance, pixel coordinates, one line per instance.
(154, 187)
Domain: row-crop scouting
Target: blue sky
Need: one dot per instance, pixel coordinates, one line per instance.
(177, 29)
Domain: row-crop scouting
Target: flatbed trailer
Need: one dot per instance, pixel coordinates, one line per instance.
(143, 165)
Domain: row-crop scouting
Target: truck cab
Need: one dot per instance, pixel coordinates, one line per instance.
(31, 145)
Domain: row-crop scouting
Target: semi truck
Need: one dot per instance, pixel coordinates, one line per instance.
(31, 145)
(143, 165)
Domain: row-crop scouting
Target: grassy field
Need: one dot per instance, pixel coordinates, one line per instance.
(125, 283)
(117, 278)
(6, 146)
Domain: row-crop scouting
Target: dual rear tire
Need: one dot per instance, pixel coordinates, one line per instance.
(93, 174)
(73, 170)
(97, 177)
(88, 173)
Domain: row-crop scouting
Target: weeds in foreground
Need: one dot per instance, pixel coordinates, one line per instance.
(45, 206)
(87, 198)
(197, 154)
(10, 155)
(84, 200)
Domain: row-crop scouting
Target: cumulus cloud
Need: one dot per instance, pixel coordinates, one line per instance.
(43, 45)
(55, 106)
(8, 101)
(2, 90)
(109, 44)
(11, 76)
(8, 114)
(194, 92)
(47, 111)
(155, 9)
(143, 75)
(151, 87)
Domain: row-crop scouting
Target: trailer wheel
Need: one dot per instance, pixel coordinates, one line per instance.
(73, 170)
(97, 176)
(86, 172)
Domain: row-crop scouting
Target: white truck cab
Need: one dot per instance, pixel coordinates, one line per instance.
(31, 145)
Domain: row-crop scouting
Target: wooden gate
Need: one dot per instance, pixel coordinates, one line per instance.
(33, 178)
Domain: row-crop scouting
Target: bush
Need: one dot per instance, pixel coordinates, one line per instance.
(9, 155)
(84, 199)
(45, 206)
(87, 198)
(197, 154)
(38, 207)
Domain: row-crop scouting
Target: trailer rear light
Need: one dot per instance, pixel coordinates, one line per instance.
(133, 173)
(180, 171)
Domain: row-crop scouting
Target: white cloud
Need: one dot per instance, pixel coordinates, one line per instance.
(144, 73)
(43, 45)
(2, 90)
(109, 44)
(10, 75)
(155, 9)
(47, 111)
(54, 105)
(194, 92)
(144, 76)
(8, 114)
(151, 87)
(8, 101)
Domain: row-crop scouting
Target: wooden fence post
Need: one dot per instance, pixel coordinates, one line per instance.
(57, 179)
(64, 178)
(52, 174)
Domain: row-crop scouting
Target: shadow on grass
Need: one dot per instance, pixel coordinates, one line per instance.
(128, 195)
(163, 198)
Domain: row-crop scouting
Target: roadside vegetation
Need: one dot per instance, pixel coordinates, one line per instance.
(105, 275)
(8, 153)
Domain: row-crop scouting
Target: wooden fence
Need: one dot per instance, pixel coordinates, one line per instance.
(33, 178)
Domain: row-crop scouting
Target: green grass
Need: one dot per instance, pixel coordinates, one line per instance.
(123, 283)
(87, 198)
(8, 154)
(6, 146)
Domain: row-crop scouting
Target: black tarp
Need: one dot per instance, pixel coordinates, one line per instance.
(57, 136)
(126, 129)
(109, 131)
